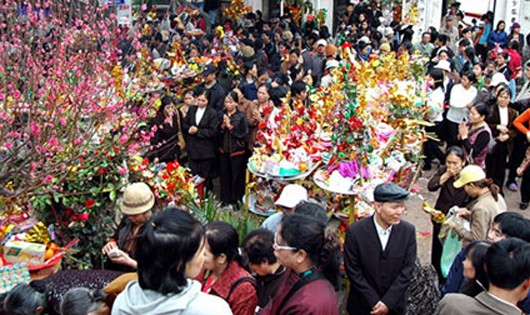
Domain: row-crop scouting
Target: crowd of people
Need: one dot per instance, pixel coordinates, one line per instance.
(167, 262)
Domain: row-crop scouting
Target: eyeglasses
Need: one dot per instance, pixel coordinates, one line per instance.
(277, 246)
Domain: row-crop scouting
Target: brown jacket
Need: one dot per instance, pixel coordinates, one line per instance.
(483, 210)
(482, 304)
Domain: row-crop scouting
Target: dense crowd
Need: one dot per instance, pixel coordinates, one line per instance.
(167, 262)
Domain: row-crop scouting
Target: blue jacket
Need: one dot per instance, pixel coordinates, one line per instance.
(496, 37)
(456, 274)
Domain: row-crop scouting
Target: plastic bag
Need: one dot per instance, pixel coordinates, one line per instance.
(452, 247)
(450, 240)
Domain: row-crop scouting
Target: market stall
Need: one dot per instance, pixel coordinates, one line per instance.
(364, 130)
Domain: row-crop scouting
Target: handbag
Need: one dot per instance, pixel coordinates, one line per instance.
(491, 145)
(180, 136)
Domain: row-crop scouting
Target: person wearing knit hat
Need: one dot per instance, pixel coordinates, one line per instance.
(515, 34)
(331, 51)
(137, 207)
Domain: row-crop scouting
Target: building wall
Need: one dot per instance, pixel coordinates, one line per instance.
(328, 5)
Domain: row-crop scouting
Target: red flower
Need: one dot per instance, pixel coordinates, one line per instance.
(171, 186)
(145, 162)
(171, 166)
(115, 149)
(101, 171)
(83, 216)
(89, 203)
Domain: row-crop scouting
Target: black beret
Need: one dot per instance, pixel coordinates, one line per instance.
(209, 69)
(390, 192)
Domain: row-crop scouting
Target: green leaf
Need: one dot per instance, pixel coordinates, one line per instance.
(94, 190)
(112, 195)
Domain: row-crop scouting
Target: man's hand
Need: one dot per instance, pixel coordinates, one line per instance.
(108, 247)
(379, 309)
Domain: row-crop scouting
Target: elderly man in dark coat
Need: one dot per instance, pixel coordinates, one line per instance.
(380, 252)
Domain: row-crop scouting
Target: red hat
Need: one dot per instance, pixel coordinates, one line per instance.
(310, 18)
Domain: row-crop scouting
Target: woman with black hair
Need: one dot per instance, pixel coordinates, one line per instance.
(170, 254)
(460, 100)
(503, 131)
(165, 127)
(202, 127)
(479, 69)
(434, 114)
(474, 271)
(470, 60)
(502, 65)
(481, 42)
(475, 136)
(449, 196)
(260, 114)
(224, 276)
(312, 255)
(234, 133)
(248, 83)
(498, 37)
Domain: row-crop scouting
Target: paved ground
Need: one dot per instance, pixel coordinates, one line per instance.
(421, 220)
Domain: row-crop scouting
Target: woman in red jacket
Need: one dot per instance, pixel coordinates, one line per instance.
(224, 275)
(311, 253)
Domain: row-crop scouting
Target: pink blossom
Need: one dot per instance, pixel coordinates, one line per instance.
(35, 128)
(53, 142)
(78, 140)
(48, 179)
(123, 139)
(62, 121)
(144, 7)
(8, 145)
(122, 170)
(16, 94)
